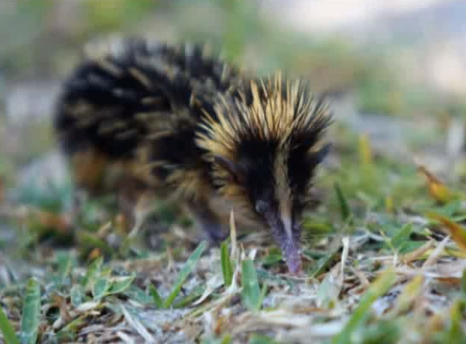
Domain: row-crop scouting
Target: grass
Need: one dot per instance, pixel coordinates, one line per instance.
(185, 271)
(226, 265)
(7, 329)
(30, 319)
(372, 268)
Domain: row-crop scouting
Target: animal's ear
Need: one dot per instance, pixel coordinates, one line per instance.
(235, 170)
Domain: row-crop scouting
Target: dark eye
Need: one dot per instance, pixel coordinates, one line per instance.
(262, 207)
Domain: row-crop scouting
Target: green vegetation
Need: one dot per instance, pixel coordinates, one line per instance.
(376, 219)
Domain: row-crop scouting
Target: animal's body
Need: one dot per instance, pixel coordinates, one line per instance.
(181, 123)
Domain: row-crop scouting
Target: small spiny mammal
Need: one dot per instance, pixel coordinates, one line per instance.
(183, 124)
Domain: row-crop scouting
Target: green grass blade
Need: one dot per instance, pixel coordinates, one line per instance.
(227, 269)
(65, 264)
(463, 284)
(7, 330)
(101, 286)
(76, 295)
(262, 294)
(92, 273)
(261, 339)
(322, 264)
(380, 286)
(139, 295)
(156, 296)
(226, 339)
(30, 320)
(455, 332)
(120, 285)
(344, 208)
(402, 236)
(68, 333)
(186, 300)
(251, 293)
(184, 273)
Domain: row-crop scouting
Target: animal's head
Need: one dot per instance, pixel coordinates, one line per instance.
(265, 146)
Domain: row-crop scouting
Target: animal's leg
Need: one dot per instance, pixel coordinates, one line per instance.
(87, 168)
(135, 202)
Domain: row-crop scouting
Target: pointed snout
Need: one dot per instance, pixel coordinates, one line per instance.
(286, 235)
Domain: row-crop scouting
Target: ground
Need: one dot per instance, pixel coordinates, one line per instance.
(384, 252)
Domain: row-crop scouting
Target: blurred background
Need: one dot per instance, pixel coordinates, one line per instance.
(396, 71)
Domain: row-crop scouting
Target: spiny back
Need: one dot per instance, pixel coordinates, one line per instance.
(129, 89)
